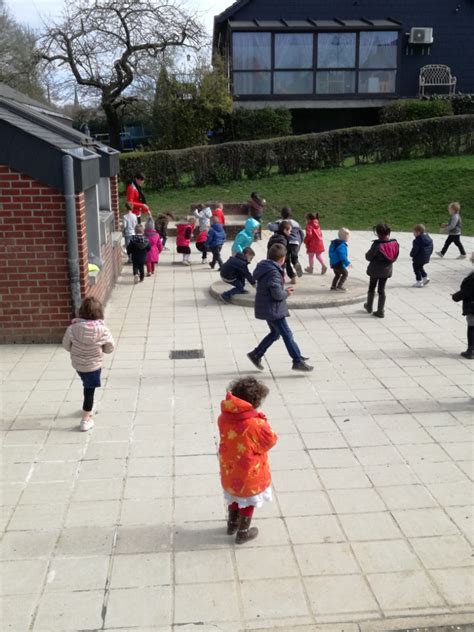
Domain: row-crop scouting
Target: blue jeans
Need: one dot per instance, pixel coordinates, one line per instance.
(279, 328)
(237, 289)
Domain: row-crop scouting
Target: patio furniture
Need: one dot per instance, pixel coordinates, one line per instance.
(436, 76)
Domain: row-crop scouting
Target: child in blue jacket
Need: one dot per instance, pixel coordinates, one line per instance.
(215, 241)
(338, 259)
(422, 249)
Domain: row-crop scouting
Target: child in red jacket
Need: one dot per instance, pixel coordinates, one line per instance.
(314, 242)
(184, 233)
(245, 439)
(218, 212)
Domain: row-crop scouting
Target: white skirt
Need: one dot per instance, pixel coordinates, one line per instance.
(254, 501)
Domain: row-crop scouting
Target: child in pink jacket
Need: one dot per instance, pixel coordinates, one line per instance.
(87, 339)
(156, 247)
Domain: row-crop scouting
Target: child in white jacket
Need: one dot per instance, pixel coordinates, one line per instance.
(87, 339)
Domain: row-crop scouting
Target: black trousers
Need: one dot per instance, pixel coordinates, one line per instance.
(139, 268)
(88, 403)
(216, 256)
(291, 259)
(202, 249)
(340, 276)
(453, 239)
(379, 284)
(419, 270)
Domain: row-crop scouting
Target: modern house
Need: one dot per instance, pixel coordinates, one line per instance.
(344, 58)
(59, 213)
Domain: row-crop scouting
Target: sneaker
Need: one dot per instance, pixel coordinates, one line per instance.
(136, 278)
(302, 366)
(309, 270)
(299, 269)
(333, 288)
(203, 260)
(148, 274)
(211, 265)
(461, 257)
(257, 362)
(186, 263)
(469, 354)
(226, 299)
(341, 289)
(86, 424)
(418, 284)
(293, 281)
(426, 280)
(440, 254)
(305, 358)
(324, 269)
(379, 314)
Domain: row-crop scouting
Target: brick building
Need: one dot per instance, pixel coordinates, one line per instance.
(59, 211)
(336, 63)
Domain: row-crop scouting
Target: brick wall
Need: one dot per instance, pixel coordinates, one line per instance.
(35, 297)
(114, 194)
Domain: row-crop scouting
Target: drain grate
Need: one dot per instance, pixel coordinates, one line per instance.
(186, 354)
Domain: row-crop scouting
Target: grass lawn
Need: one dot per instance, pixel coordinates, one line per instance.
(399, 193)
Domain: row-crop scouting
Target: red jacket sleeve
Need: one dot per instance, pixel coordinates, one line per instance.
(132, 196)
(264, 436)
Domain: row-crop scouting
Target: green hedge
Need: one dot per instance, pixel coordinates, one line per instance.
(217, 164)
(461, 103)
(243, 124)
(414, 109)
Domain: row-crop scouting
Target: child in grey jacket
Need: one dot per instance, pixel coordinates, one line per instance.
(453, 228)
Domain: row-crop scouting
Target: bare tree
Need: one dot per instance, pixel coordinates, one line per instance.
(106, 45)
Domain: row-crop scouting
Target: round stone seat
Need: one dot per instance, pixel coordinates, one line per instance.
(311, 291)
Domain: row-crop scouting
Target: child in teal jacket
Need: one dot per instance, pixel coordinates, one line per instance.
(246, 236)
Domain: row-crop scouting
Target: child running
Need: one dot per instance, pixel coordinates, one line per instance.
(245, 438)
(235, 271)
(201, 244)
(338, 260)
(87, 339)
(381, 255)
(256, 206)
(282, 236)
(245, 238)
(421, 252)
(295, 239)
(156, 247)
(184, 232)
(314, 243)
(270, 305)
(453, 228)
(466, 295)
(215, 241)
(138, 249)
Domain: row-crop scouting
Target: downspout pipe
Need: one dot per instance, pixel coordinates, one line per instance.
(71, 230)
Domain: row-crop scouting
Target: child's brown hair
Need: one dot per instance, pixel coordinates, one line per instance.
(91, 309)
(129, 206)
(250, 390)
(419, 228)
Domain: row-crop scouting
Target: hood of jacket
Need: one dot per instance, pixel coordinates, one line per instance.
(251, 225)
(389, 249)
(140, 241)
(266, 267)
(235, 409)
(335, 243)
(150, 232)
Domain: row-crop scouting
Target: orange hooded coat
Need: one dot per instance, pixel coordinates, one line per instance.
(245, 438)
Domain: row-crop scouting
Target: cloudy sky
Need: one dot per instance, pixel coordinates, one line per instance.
(31, 12)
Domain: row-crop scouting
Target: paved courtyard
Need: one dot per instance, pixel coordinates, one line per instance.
(123, 528)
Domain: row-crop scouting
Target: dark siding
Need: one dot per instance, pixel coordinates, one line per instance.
(453, 31)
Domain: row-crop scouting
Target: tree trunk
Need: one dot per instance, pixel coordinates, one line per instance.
(113, 123)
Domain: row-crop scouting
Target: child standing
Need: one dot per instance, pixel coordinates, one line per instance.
(218, 212)
(161, 227)
(245, 438)
(314, 242)
(201, 244)
(421, 251)
(270, 305)
(184, 232)
(203, 214)
(283, 236)
(453, 228)
(295, 239)
(381, 255)
(138, 249)
(466, 295)
(256, 205)
(245, 238)
(156, 247)
(338, 259)
(235, 271)
(129, 221)
(87, 339)
(215, 241)
(136, 196)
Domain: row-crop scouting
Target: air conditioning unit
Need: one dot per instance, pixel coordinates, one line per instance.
(421, 35)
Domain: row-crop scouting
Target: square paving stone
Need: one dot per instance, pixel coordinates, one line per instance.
(101, 468)
(37, 517)
(199, 485)
(456, 585)
(82, 541)
(198, 508)
(400, 591)
(17, 611)
(148, 487)
(56, 608)
(144, 512)
(150, 466)
(385, 556)
(424, 522)
(370, 526)
(81, 573)
(344, 478)
(101, 513)
(314, 529)
(443, 551)
(273, 598)
(148, 569)
(407, 497)
(193, 567)
(22, 576)
(267, 562)
(309, 503)
(356, 500)
(326, 559)
(143, 539)
(139, 607)
(18, 545)
(206, 602)
(99, 489)
(339, 594)
(297, 481)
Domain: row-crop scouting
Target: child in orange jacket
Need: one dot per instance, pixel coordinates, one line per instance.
(245, 439)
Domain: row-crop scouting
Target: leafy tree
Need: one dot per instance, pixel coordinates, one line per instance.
(105, 45)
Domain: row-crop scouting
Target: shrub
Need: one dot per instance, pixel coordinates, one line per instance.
(242, 124)
(413, 109)
(461, 103)
(215, 164)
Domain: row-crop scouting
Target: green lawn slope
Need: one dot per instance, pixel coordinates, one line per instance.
(399, 193)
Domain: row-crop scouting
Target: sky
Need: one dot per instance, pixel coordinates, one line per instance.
(30, 12)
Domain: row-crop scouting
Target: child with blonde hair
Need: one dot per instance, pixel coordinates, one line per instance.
(453, 228)
(338, 259)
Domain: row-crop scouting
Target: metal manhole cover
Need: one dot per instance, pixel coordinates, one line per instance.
(186, 354)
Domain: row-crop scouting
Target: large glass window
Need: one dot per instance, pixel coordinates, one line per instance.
(293, 50)
(377, 81)
(293, 82)
(336, 50)
(378, 49)
(252, 51)
(335, 82)
(252, 83)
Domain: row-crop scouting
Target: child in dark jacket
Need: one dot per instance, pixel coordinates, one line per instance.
(235, 271)
(161, 227)
(270, 305)
(381, 255)
(295, 239)
(282, 236)
(215, 241)
(137, 249)
(421, 251)
(338, 259)
(466, 295)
